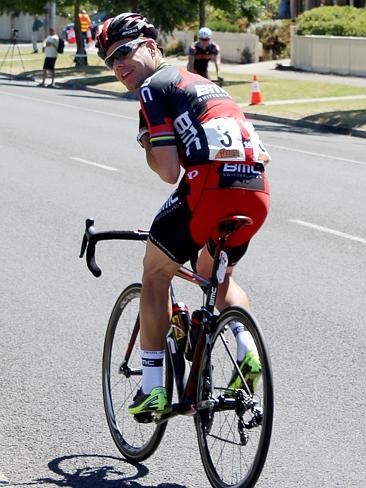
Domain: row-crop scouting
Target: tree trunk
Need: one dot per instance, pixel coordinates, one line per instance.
(202, 13)
(81, 58)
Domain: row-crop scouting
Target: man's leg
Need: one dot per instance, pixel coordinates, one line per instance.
(34, 41)
(155, 313)
(229, 292)
(155, 307)
(44, 76)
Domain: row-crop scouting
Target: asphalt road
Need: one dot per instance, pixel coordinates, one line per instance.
(68, 155)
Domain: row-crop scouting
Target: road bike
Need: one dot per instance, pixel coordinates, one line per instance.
(233, 425)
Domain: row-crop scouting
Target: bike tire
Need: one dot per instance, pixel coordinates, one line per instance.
(135, 440)
(227, 462)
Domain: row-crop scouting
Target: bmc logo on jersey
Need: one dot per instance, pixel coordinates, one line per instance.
(210, 90)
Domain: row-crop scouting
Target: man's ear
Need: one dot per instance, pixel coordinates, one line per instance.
(151, 46)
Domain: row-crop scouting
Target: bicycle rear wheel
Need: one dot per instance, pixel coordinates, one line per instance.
(233, 440)
(122, 374)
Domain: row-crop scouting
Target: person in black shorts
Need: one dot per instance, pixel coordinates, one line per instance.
(50, 49)
(203, 51)
(186, 121)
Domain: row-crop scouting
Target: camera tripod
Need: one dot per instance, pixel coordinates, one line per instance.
(11, 49)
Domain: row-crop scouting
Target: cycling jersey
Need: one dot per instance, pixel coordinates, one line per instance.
(219, 150)
(201, 118)
(202, 56)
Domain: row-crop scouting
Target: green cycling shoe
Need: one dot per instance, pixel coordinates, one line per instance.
(251, 369)
(155, 401)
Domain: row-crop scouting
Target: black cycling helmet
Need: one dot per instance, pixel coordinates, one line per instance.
(126, 25)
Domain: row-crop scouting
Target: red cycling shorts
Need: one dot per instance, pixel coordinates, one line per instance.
(207, 194)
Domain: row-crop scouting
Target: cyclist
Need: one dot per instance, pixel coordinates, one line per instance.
(188, 121)
(203, 51)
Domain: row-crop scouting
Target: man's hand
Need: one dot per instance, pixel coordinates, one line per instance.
(142, 136)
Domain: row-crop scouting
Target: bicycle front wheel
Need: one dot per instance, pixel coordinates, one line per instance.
(234, 433)
(136, 437)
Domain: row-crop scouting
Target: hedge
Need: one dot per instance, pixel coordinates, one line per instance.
(333, 21)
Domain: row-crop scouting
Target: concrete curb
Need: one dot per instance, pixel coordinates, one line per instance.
(306, 124)
(250, 115)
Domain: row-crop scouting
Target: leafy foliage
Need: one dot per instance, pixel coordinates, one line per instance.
(17, 6)
(275, 36)
(333, 21)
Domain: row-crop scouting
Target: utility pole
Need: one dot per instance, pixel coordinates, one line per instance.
(50, 16)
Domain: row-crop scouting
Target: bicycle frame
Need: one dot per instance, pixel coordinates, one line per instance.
(186, 392)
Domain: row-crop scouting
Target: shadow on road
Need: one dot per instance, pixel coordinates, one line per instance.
(95, 471)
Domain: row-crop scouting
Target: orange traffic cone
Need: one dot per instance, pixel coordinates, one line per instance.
(256, 98)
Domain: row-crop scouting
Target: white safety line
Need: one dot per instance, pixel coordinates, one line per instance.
(66, 105)
(310, 153)
(92, 163)
(328, 231)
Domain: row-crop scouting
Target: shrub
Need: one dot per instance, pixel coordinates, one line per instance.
(246, 56)
(333, 21)
(174, 48)
(274, 36)
(219, 25)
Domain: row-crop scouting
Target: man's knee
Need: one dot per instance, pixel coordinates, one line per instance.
(157, 266)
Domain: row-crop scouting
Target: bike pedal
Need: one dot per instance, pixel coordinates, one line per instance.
(144, 418)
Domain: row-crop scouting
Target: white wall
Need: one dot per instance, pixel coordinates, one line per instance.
(329, 54)
(23, 23)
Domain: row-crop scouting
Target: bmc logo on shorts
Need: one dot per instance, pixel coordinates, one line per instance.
(241, 175)
(242, 169)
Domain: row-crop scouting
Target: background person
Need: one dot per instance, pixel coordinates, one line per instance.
(85, 24)
(50, 49)
(36, 25)
(188, 121)
(203, 51)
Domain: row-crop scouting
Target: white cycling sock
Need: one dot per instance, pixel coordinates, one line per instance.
(152, 369)
(244, 340)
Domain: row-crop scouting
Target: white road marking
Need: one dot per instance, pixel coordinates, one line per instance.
(328, 231)
(66, 105)
(310, 153)
(92, 163)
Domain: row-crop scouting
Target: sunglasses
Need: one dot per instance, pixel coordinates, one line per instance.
(121, 52)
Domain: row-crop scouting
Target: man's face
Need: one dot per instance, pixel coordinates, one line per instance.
(204, 42)
(133, 68)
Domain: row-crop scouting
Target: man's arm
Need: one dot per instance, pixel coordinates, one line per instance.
(190, 66)
(162, 160)
(217, 61)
